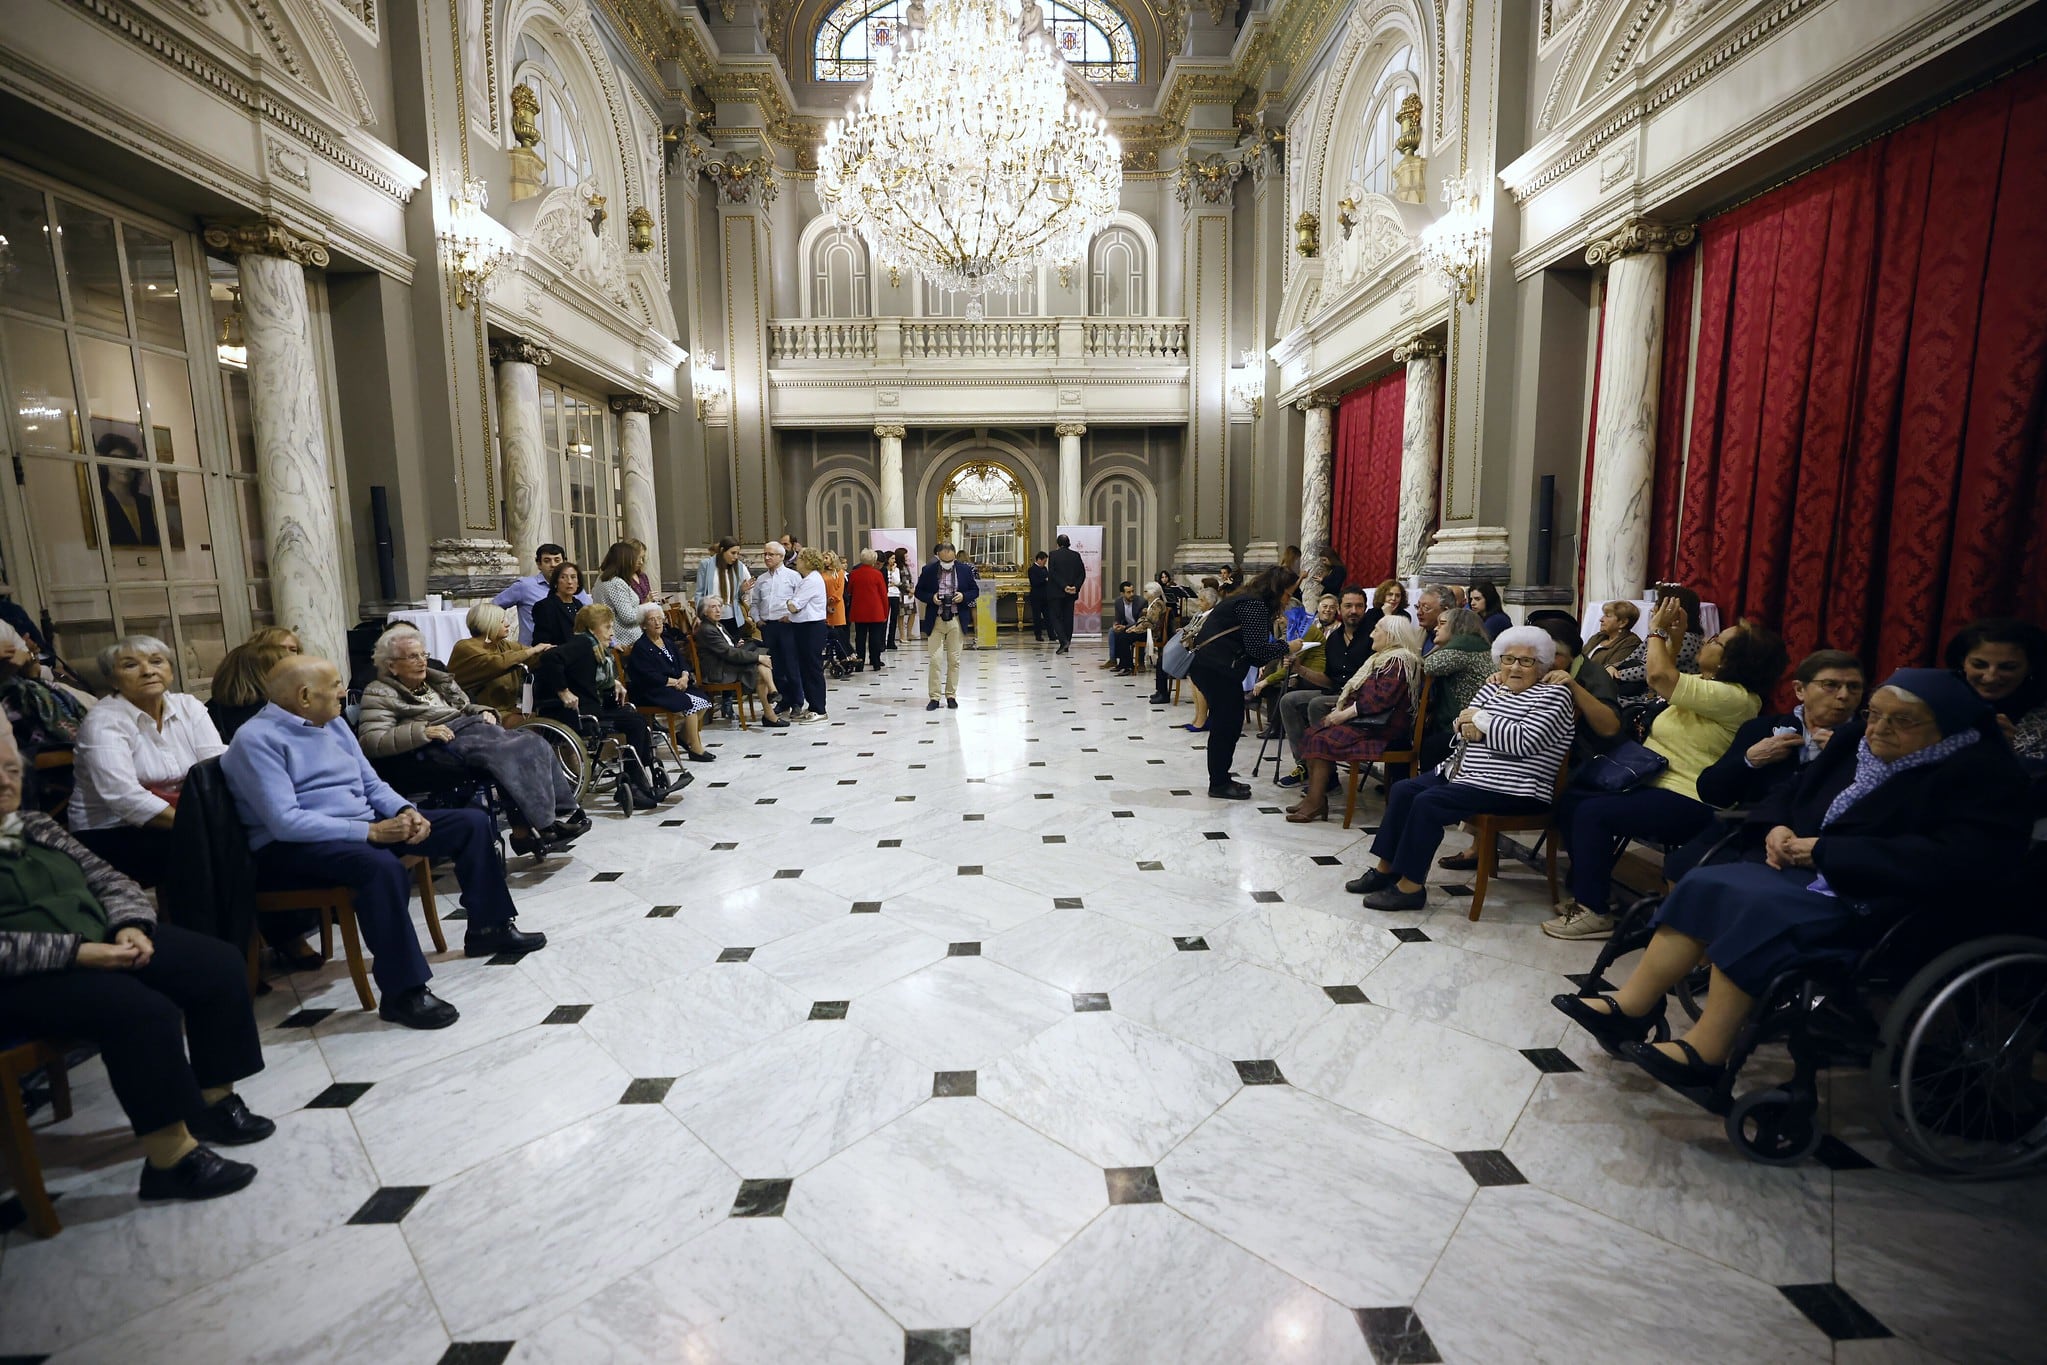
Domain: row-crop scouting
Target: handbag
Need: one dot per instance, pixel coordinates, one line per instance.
(1178, 656)
(1624, 767)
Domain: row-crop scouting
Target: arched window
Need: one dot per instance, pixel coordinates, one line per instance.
(1117, 506)
(846, 510)
(838, 276)
(561, 139)
(1092, 35)
(1022, 302)
(1116, 275)
(1372, 156)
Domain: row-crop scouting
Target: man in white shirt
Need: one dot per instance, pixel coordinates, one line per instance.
(768, 598)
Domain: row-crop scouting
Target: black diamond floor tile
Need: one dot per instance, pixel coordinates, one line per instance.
(954, 1084)
(663, 912)
(1396, 1337)
(1324, 860)
(829, 1009)
(566, 1014)
(389, 1204)
(1085, 1001)
(963, 949)
(607, 876)
(1491, 1168)
(1260, 1072)
(735, 955)
(866, 907)
(303, 1018)
(788, 874)
(647, 1090)
(1410, 934)
(477, 1353)
(1834, 1311)
(1067, 903)
(339, 1095)
(761, 1198)
(1837, 1155)
(1133, 1185)
(970, 869)
(1194, 944)
(1346, 995)
(1266, 897)
(1054, 838)
(1550, 1061)
(937, 1346)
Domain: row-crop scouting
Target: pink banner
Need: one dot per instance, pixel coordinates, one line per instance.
(1087, 610)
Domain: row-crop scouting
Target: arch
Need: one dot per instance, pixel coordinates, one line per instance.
(933, 302)
(1124, 555)
(1146, 244)
(1377, 29)
(1369, 159)
(298, 36)
(1608, 36)
(829, 253)
(1018, 459)
(833, 513)
(1094, 36)
(566, 29)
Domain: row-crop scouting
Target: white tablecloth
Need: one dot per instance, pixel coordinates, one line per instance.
(1709, 617)
(442, 630)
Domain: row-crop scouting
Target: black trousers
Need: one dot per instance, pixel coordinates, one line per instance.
(192, 993)
(895, 619)
(1223, 689)
(873, 640)
(137, 852)
(1041, 618)
(1062, 619)
(776, 636)
(807, 644)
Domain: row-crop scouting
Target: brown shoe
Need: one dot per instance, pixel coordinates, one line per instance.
(1306, 814)
(1459, 862)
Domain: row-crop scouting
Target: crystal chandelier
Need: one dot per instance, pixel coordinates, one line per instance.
(1454, 246)
(965, 162)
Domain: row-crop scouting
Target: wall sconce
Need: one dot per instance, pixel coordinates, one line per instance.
(709, 382)
(1308, 234)
(639, 230)
(473, 252)
(1455, 244)
(1247, 385)
(231, 348)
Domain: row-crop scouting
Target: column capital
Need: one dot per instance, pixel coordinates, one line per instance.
(520, 351)
(891, 431)
(1065, 429)
(1316, 400)
(266, 237)
(1638, 235)
(633, 402)
(1420, 346)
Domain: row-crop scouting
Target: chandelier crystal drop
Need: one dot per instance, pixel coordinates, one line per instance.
(965, 162)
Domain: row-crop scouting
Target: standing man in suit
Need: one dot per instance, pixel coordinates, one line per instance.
(1126, 627)
(1068, 572)
(947, 588)
(1041, 599)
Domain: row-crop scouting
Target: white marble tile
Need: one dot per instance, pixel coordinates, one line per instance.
(1353, 1207)
(672, 1028)
(978, 908)
(1224, 1004)
(1320, 949)
(758, 914)
(494, 1002)
(750, 1291)
(625, 958)
(878, 873)
(1517, 939)
(1078, 950)
(1114, 1091)
(960, 1013)
(438, 1120)
(356, 1299)
(1531, 1276)
(1143, 1283)
(605, 1196)
(944, 1211)
(1446, 1087)
(1487, 997)
(848, 957)
(118, 1258)
(785, 1104)
(1166, 902)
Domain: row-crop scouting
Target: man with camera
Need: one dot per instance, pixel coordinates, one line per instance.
(947, 588)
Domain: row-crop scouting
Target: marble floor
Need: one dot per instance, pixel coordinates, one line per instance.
(986, 1035)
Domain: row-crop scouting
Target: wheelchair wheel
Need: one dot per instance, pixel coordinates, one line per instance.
(1774, 1127)
(1962, 1059)
(568, 752)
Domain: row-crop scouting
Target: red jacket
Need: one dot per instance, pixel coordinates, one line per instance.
(867, 593)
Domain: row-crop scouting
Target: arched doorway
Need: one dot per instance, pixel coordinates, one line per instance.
(1117, 506)
(985, 512)
(845, 511)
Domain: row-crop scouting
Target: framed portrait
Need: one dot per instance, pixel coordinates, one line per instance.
(127, 493)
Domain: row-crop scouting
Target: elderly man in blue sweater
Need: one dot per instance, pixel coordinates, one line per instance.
(318, 814)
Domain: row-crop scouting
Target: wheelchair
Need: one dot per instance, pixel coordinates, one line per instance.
(1947, 1011)
(600, 764)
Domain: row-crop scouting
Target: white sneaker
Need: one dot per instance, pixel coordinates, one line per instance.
(805, 717)
(1576, 922)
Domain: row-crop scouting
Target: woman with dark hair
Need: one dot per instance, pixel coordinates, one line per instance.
(615, 589)
(1388, 599)
(2005, 661)
(1484, 598)
(1236, 637)
(1737, 669)
(1631, 677)
(554, 616)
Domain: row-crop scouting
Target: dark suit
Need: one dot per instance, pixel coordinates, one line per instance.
(1041, 600)
(1068, 572)
(1732, 782)
(1121, 643)
(964, 583)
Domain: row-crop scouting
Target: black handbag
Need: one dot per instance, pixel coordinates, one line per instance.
(1624, 767)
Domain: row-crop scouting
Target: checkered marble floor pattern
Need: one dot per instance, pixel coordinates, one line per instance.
(984, 1035)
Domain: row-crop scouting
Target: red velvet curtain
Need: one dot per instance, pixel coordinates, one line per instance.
(1866, 460)
(1365, 516)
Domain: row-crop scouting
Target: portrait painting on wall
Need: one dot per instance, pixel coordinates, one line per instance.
(135, 519)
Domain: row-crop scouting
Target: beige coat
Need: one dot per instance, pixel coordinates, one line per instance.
(395, 718)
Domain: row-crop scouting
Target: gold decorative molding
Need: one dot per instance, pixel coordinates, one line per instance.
(622, 403)
(266, 237)
(1420, 346)
(518, 350)
(1316, 400)
(1070, 429)
(891, 431)
(1637, 236)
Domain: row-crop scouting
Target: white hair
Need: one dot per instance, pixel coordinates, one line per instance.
(141, 646)
(654, 607)
(10, 639)
(1538, 640)
(484, 619)
(387, 644)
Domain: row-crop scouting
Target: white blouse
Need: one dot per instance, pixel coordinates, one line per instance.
(119, 748)
(809, 598)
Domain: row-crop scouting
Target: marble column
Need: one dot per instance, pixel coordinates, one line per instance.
(522, 456)
(1071, 513)
(1421, 449)
(1624, 433)
(636, 476)
(1318, 488)
(294, 474)
(891, 436)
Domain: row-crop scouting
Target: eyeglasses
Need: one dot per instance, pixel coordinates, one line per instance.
(1835, 685)
(1901, 721)
(1519, 661)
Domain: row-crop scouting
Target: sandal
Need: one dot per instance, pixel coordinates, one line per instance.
(1610, 1028)
(1687, 1077)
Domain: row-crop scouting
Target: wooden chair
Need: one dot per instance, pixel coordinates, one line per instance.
(1410, 755)
(1487, 829)
(334, 903)
(740, 692)
(17, 1144)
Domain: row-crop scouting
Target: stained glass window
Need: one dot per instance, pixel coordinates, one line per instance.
(1092, 35)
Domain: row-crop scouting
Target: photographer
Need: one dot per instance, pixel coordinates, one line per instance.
(947, 589)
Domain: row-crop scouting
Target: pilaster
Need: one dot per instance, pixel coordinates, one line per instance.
(637, 518)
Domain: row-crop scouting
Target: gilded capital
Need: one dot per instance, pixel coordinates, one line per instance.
(891, 431)
(266, 237)
(632, 402)
(520, 351)
(1075, 429)
(1639, 235)
(1420, 346)
(1316, 400)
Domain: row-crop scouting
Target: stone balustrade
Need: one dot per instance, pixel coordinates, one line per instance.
(803, 341)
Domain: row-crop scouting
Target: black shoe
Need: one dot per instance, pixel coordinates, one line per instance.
(952, 703)
(1160, 699)
(931, 705)
(418, 1008)
(1391, 897)
(304, 961)
(230, 1124)
(1688, 1077)
(705, 756)
(1373, 880)
(770, 723)
(1609, 1028)
(1060, 650)
(561, 835)
(1232, 791)
(501, 938)
(575, 824)
(535, 843)
(203, 1174)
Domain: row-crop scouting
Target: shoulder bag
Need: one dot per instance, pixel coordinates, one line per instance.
(1624, 767)
(1178, 655)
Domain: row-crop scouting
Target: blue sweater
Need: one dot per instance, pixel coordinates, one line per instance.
(298, 783)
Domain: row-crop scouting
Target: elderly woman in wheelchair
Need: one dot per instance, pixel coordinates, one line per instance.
(1924, 806)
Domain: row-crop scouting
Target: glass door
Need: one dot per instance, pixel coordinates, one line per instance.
(583, 474)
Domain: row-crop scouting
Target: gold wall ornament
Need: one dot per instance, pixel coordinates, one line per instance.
(525, 115)
(471, 246)
(1308, 234)
(639, 229)
(1346, 215)
(1638, 235)
(598, 213)
(1211, 177)
(266, 237)
(1409, 117)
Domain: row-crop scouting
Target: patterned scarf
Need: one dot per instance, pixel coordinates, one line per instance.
(10, 835)
(1872, 772)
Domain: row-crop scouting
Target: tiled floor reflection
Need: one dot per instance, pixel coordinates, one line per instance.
(981, 1035)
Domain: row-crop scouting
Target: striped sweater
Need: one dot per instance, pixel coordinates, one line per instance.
(1525, 737)
(24, 954)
